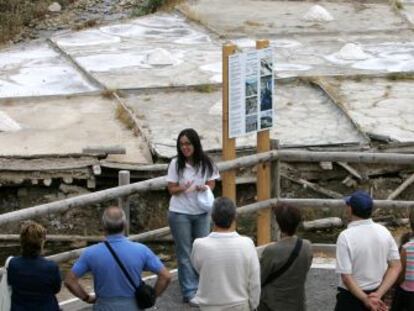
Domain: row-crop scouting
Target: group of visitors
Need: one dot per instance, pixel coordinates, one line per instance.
(218, 270)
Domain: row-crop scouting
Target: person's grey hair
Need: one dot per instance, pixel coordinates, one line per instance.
(114, 220)
(224, 212)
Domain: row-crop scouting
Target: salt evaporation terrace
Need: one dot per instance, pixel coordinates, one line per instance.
(332, 71)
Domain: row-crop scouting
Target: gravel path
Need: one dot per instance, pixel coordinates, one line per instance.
(320, 292)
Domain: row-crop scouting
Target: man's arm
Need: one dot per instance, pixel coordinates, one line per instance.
(164, 278)
(73, 285)
(370, 302)
(254, 279)
(391, 275)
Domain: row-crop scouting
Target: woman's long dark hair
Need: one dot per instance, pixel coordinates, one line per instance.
(200, 159)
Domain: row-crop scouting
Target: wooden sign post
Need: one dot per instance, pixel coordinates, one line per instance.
(263, 178)
(229, 144)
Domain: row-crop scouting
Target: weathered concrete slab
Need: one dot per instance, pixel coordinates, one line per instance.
(261, 18)
(341, 54)
(320, 294)
(304, 116)
(166, 50)
(381, 107)
(153, 51)
(36, 69)
(67, 125)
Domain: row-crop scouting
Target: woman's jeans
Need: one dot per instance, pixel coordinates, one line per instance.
(185, 229)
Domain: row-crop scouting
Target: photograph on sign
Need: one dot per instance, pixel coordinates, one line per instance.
(266, 93)
(266, 119)
(251, 105)
(251, 123)
(266, 66)
(251, 87)
(266, 89)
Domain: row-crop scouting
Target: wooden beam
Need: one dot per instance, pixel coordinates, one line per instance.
(315, 187)
(251, 208)
(104, 149)
(160, 183)
(73, 254)
(353, 157)
(56, 238)
(275, 191)
(323, 223)
(401, 188)
(124, 178)
(229, 144)
(350, 170)
(263, 178)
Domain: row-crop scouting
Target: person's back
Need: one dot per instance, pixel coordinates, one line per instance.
(113, 291)
(34, 280)
(370, 254)
(367, 258)
(227, 264)
(224, 262)
(109, 281)
(283, 285)
(287, 292)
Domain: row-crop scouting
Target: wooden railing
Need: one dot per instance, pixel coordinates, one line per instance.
(243, 162)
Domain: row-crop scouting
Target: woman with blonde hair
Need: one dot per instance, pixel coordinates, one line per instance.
(34, 280)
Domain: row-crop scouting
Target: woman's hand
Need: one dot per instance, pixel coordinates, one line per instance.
(201, 188)
(187, 186)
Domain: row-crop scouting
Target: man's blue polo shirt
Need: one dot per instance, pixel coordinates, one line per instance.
(109, 280)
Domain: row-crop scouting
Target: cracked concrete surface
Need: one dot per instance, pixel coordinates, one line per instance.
(37, 70)
(304, 116)
(380, 106)
(267, 18)
(67, 125)
(154, 51)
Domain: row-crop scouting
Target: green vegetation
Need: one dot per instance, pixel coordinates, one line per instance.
(147, 7)
(400, 76)
(204, 88)
(152, 6)
(16, 14)
(397, 4)
(122, 115)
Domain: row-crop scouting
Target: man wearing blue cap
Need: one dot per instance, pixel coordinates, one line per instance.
(367, 258)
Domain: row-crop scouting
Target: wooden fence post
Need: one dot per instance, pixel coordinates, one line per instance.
(124, 178)
(263, 178)
(275, 177)
(229, 144)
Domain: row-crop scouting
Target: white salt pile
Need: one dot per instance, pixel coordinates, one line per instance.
(351, 51)
(7, 124)
(160, 57)
(318, 14)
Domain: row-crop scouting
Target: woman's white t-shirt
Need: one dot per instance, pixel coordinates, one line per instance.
(186, 202)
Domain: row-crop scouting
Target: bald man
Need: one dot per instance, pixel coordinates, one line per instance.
(113, 291)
